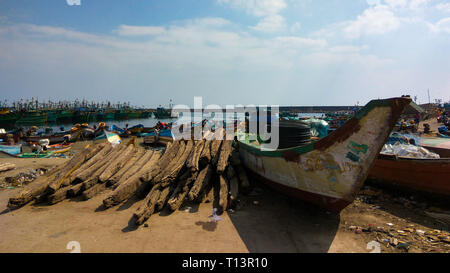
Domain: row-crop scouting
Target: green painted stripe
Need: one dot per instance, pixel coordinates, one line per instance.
(246, 144)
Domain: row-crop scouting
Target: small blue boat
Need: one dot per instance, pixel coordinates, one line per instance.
(11, 149)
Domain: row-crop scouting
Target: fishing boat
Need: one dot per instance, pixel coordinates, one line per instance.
(11, 149)
(52, 138)
(438, 145)
(32, 118)
(110, 136)
(328, 172)
(8, 117)
(428, 175)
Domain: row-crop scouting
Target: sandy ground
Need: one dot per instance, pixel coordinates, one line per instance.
(276, 223)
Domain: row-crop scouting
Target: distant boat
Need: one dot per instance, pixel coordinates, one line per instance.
(11, 149)
(110, 136)
(330, 171)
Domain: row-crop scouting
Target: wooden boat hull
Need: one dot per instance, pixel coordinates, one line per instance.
(437, 145)
(11, 149)
(330, 171)
(428, 175)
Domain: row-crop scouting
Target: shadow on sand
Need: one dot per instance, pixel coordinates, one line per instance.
(277, 223)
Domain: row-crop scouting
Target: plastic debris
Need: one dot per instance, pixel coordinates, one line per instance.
(408, 151)
(214, 217)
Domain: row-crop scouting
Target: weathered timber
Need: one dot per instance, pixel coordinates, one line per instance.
(74, 190)
(58, 196)
(180, 192)
(225, 153)
(7, 166)
(205, 156)
(163, 197)
(175, 169)
(201, 181)
(99, 156)
(133, 165)
(127, 188)
(32, 191)
(104, 160)
(117, 163)
(163, 161)
(93, 191)
(192, 161)
(240, 171)
(215, 148)
(61, 179)
(234, 184)
(164, 171)
(148, 207)
(223, 194)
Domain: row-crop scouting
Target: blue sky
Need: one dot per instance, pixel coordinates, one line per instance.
(285, 52)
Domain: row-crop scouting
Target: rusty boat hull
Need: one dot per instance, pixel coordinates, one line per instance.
(328, 172)
(425, 175)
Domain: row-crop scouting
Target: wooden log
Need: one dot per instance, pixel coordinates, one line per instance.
(74, 190)
(163, 198)
(208, 196)
(93, 191)
(180, 192)
(192, 161)
(117, 163)
(223, 194)
(62, 179)
(205, 156)
(133, 165)
(84, 175)
(176, 168)
(202, 180)
(107, 148)
(234, 184)
(225, 153)
(127, 188)
(32, 191)
(163, 173)
(163, 161)
(7, 166)
(148, 207)
(215, 148)
(58, 196)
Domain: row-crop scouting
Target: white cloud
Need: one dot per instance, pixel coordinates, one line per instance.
(443, 25)
(125, 30)
(268, 10)
(374, 20)
(260, 8)
(270, 24)
(411, 4)
(444, 7)
(299, 42)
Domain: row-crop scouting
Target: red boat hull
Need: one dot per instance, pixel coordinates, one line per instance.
(429, 175)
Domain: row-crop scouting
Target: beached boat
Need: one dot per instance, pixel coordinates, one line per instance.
(330, 171)
(110, 136)
(429, 175)
(438, 145)
(11, 149)
(52, 138)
